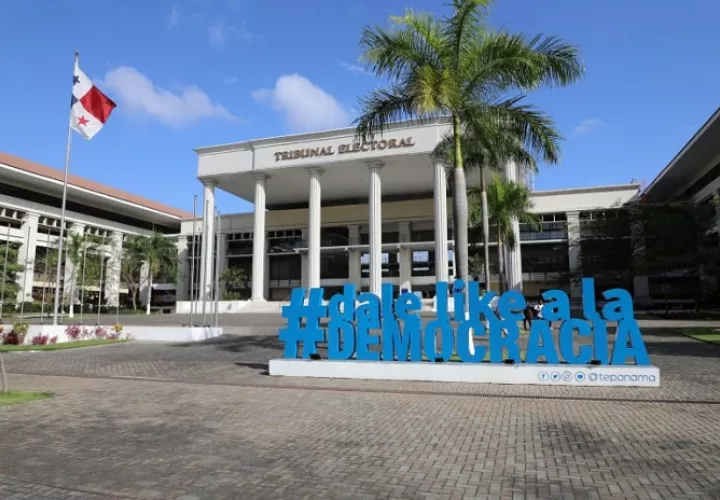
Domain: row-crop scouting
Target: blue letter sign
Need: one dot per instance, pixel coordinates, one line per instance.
(367, 327)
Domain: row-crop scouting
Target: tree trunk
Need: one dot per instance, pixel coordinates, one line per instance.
(3, 375)
(486, 227)
(501, 263)
(460, 207)
(71, 307)
(133, 297)
(451, 184)
(455, 232)
(149, 292)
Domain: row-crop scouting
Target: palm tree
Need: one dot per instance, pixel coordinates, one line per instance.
(489, 144)
(78, 248)
(507, 200)
(160, 254)
(231, 279)
(457, 68)
(131, 261)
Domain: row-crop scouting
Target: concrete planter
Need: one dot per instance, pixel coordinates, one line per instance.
(153, 333)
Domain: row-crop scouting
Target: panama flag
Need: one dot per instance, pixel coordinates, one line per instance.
(89, 108)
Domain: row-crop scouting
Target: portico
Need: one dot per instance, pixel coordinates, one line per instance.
(330, 169)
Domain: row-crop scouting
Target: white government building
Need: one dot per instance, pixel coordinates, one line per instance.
(329, 210)
(30, 206)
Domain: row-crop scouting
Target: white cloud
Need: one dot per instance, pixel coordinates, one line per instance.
(587, 125)
(354, 69)
(173, 17)
(305, 106)
(220, 32)
(138, 95)
(230, 80)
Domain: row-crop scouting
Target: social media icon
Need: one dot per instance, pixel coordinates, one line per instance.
(593, 377)
(580, 376)
(567, 376)
(543, 376)
(555, 376)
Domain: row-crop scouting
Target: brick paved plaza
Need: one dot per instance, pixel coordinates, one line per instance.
(204, 421)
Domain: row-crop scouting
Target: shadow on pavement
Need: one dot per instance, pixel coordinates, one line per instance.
(262, 368)
(235, 343)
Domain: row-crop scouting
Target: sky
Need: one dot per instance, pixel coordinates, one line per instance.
(191, 73)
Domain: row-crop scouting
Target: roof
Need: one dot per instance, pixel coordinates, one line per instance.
(687, 163)
(58, 175)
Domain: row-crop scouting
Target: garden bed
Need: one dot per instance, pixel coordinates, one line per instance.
(42, 337)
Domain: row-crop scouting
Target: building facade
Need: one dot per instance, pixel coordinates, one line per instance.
(30, 211)
(332, 209)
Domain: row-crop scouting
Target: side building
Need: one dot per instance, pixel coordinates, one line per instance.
(330, 209)
(30, 211)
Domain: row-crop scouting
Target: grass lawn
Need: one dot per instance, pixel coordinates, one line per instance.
(60, 346)
(704, 334)
(16, 397)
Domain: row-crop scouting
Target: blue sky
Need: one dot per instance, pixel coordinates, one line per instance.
(190, 73)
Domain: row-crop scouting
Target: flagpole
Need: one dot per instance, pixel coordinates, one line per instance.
(192, 267)
(62, 209)
(2, 290)
(100, 283)
(82, 280)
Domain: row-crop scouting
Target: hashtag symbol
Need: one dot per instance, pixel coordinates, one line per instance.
(294, 313)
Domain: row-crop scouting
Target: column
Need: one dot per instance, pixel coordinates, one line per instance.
(208, 240)
(513, 262)
(112, 273)
(375, 220)
(144, 283)
(441, 222)
(354, 267)
(266, 280)
(183, 256)
(574, 254)
(304, 280)
(314, 228)
(405, 256)
(26, 256)
(259, 235)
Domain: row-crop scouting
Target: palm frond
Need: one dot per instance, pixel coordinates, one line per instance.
(460, 28)
(416, 41)
(502, 62)
(382, 107)
(533, 129)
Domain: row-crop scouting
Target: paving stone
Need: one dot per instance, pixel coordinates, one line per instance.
(212, 425)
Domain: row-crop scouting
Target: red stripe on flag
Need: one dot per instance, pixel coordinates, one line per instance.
(97, 104)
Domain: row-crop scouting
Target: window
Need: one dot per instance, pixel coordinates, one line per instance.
(334, 265)
(390, 265)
